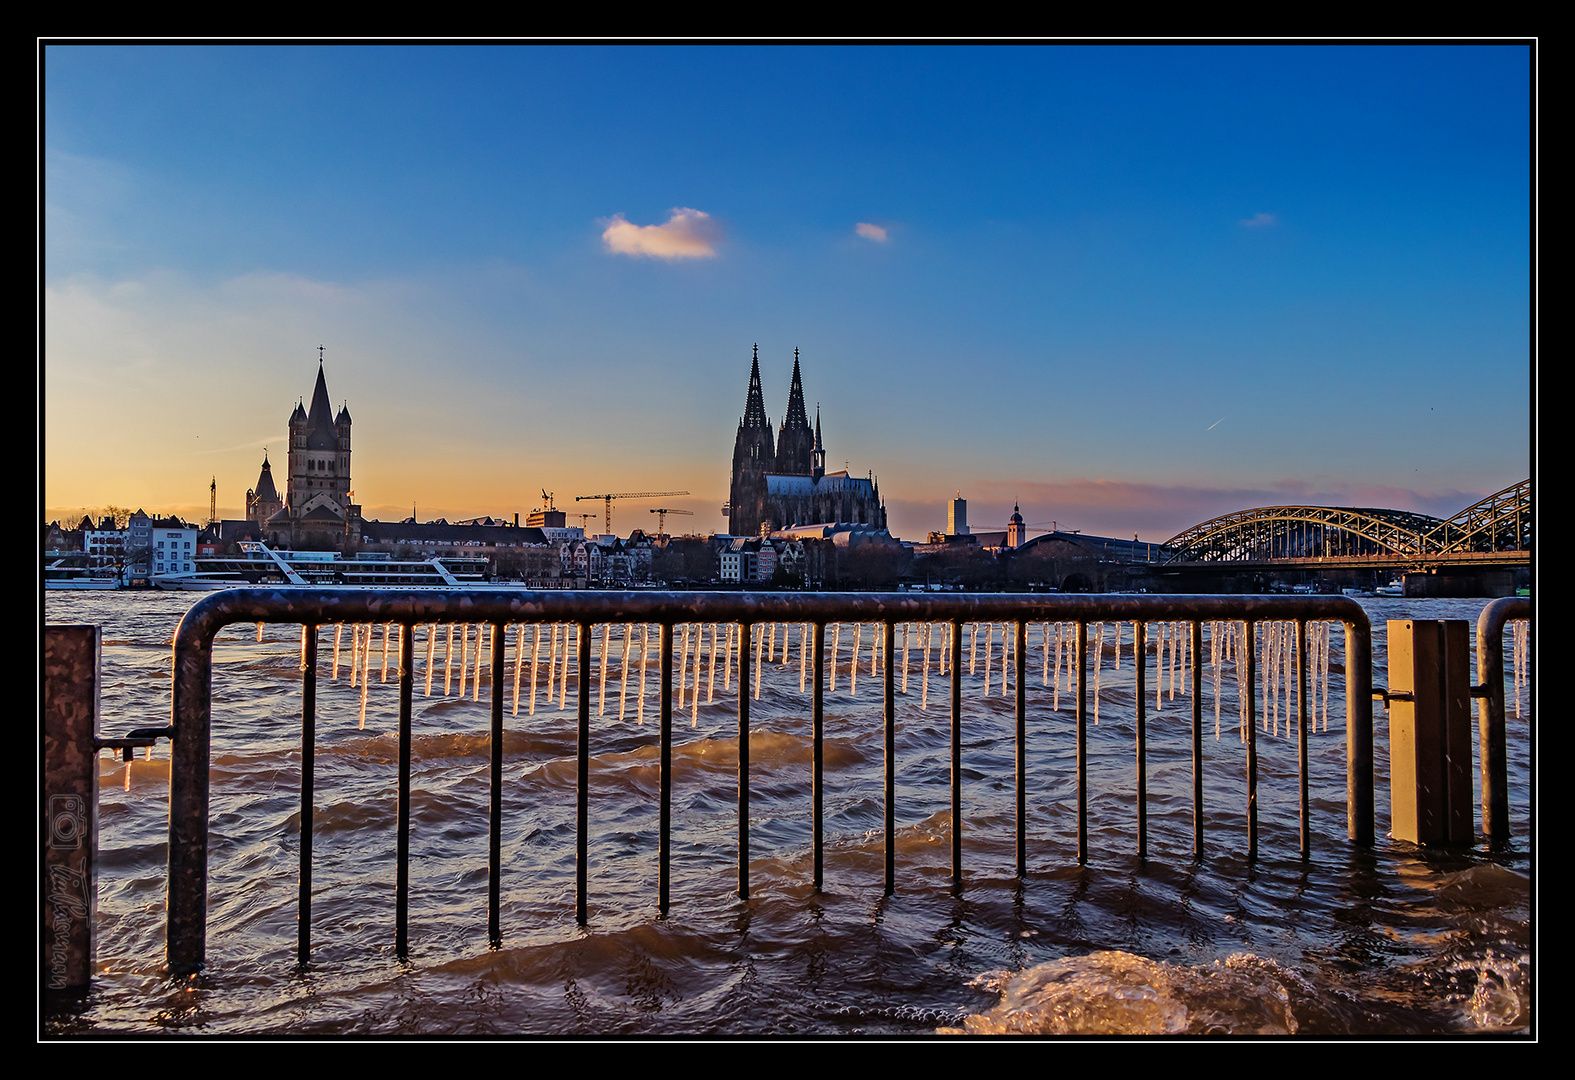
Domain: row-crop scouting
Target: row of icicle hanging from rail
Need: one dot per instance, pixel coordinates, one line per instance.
(1171, 644)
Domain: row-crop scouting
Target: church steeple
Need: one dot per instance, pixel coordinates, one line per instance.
(795, 442)
(755, 404)
(817, 467)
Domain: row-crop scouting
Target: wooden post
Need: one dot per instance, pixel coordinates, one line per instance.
(1430, 732)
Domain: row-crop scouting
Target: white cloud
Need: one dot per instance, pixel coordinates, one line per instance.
(688, 234)
(1259, 220)
(871, 232)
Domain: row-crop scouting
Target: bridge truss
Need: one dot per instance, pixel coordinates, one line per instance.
(1500, 522)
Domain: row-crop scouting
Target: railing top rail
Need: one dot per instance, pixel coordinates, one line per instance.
(322, 606)
(1491, 622)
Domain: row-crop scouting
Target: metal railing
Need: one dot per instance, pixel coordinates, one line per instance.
(1491, 736)
(312, 608)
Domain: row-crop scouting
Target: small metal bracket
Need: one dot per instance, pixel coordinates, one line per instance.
(1387, 696)
(134, 739)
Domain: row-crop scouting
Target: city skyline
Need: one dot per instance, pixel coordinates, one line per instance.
(1128, 287)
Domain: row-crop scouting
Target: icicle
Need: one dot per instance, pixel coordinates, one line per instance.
(448, 663)
(1116, 628)
(771, 649)
(552, 666)
(989, 655)
(1242, 690)
(973, 648)
(710, 679)
(1044, 673)
(303, 647)
(906, 628)
(259, 633)
(535, 664)
(927, 631)
(482, 637)
(727, 661)
(601, 701)
(1056, 698)
(366, 674)
(431, 652)
(683, 669)
(758, 644)
(804, 635)
(1159, 666)
(623, 672)
(563, 676)
(694, 693)
(853, 662)
(519, 662)
(645, 649)
(1099, 657)
(836, 645)
(464, 656)
(384, 676)
(355, 654)
(1214, 671)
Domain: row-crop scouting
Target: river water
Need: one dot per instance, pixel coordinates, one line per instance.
(1390, 940)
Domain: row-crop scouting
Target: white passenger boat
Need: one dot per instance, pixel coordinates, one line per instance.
(59, 575)
(258, 564)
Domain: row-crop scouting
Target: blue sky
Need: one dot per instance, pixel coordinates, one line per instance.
(1130, 286)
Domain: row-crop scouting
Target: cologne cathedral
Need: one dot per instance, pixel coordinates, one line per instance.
(786, 484)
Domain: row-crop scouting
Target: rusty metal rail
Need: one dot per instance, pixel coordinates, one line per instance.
(1493, 750)
(312, 608)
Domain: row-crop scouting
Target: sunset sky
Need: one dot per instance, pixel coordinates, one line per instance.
(1131, 287)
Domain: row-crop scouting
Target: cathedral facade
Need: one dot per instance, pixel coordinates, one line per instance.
(781, 482)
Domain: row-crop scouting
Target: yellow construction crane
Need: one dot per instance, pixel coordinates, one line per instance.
(661, 519)
(608, 499)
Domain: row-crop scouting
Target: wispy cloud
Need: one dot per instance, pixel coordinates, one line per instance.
(1259, 220)
(688, 234)
(871, 232)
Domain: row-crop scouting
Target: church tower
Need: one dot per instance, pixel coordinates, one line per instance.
(795, 441)
(753, 457)
(319, 476)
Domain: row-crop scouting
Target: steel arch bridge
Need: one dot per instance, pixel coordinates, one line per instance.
(1500, 522)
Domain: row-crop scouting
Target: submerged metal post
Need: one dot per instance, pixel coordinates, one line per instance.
(1138, 647)
(1022, 749)
(1082, 742)
(743, 774)
(1491, 716)
(191, 710)
(1251, 689)
(1359, 811)
(891, 762)
(402, 841)
(303, 902)
(1197, 739)
(664, 849)
(495, 795)
(582, 814)
(818, 755)
(69, 837)
(957, 757)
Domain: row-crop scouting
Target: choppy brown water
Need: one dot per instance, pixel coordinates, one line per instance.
(1390, 940)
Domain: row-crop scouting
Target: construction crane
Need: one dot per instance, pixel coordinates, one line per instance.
(661, 519)
(608, 499)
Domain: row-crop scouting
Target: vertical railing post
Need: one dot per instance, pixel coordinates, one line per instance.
(957, 825)
(1359, 731)
(1301, 735)
(402, 810)
(495, 804)
(582, 817)
(818, 758)
(72, 666)
(303, 902)
(1138, 634)
(1429, 731)
(664, 850)
(1022, 748)
(891, 762)
(1082, 742)
(1197, 739)
(191, 713)
(743, 777)
(1492, 715)
(1252, 739)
